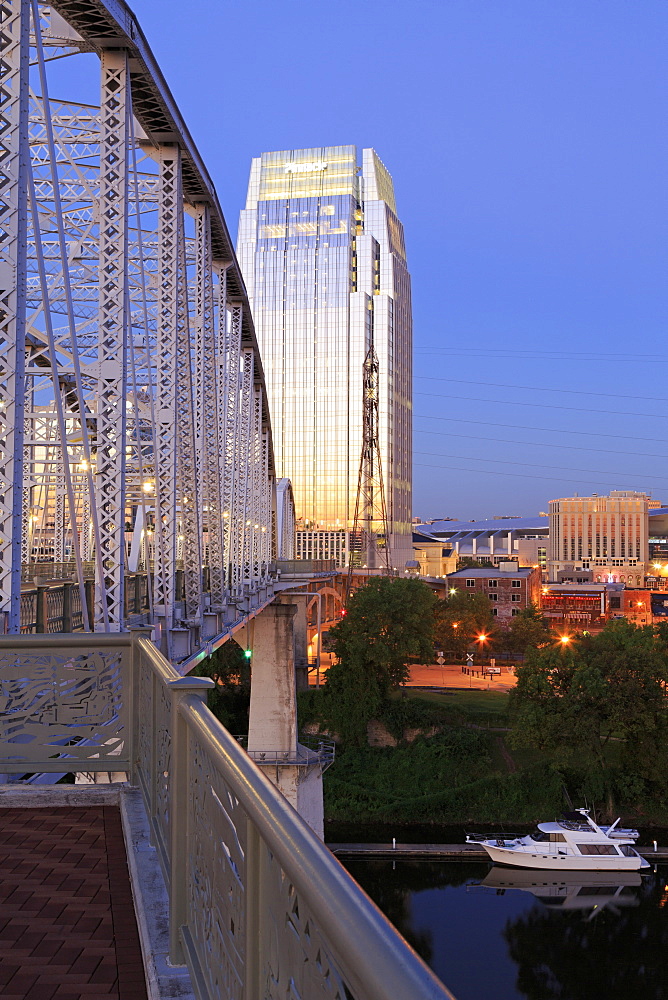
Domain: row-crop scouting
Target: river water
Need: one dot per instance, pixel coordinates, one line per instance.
(493, 933)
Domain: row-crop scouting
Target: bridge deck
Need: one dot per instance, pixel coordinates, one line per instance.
(67, 923)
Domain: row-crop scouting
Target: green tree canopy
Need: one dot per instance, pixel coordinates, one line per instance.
(527, 630)
(460, 619)
(576, 699)
(229, 700)
(387, 622)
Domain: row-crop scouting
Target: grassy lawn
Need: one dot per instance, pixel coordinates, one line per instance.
(470, 701)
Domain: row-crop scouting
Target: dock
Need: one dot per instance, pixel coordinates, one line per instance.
(447, 852)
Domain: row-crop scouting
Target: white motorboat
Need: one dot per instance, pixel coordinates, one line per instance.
(575, 843)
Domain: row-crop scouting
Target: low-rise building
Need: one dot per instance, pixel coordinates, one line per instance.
(580, 607)
(588, 606)
(509, 588)
(434, 558)
(496, 540)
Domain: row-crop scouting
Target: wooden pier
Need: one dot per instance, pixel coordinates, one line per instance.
(447, 852)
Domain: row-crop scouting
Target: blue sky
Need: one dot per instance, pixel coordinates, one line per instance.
(527, 141)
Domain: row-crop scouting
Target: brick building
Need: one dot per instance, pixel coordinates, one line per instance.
(509, 588)
(580, 607)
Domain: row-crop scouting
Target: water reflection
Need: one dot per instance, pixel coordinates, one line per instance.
(569, 891)
(522, 935)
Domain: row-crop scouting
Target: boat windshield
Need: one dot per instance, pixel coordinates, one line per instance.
(539, 836)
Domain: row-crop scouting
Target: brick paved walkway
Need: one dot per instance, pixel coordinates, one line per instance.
(67, 923)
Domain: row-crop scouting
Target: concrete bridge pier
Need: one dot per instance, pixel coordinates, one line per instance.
(272, 732)
(301, 639)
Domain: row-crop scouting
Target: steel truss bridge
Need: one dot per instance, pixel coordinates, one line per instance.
(135, 446)
(134, 426)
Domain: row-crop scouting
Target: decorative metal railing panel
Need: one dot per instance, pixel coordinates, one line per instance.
(60, 694)
(216, 876)
(258, 906)
(29, 611)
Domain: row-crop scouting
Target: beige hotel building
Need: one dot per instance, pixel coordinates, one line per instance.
(604, 536)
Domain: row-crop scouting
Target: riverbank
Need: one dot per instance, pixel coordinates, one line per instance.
(444, 760)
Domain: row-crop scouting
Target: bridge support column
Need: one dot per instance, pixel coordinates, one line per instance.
(272, 731)
(301, 641)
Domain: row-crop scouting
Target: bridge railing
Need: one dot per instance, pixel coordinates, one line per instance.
(258, 905)
(57, 607)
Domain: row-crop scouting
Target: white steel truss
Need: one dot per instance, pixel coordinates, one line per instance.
(14, 53)
(132, 400)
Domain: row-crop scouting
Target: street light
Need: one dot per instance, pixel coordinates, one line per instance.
(565, 639)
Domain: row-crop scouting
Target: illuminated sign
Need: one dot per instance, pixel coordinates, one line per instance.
(310, 167)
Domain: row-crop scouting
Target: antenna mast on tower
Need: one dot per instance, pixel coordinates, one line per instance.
(370, 537)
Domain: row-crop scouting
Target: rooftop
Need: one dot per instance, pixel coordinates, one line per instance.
(490, 571)
(507, 524)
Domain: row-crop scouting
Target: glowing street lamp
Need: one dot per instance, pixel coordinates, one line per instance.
(564, 639)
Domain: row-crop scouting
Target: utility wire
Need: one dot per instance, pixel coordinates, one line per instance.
(531, 355)
(547, 406)
(546, 444)
(540, 388)
(526, 427)
(532, 465)
(523, 475)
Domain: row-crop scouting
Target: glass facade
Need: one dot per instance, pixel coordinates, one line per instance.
(323, 258)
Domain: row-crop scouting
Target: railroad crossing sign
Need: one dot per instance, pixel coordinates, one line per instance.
(469, 659)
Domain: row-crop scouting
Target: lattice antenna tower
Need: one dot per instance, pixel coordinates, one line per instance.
(370, 537)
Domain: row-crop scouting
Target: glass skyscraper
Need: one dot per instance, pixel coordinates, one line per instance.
(323, 257)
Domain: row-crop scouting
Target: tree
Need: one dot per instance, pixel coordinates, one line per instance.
(387, 622)
(466, 562)
(230, 699)
(460, 619)
(581, 698)
(528, 629)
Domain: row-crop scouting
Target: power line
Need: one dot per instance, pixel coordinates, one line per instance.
(525, 427)
(547, 406)
(530, 355)
(533, 465)
(546, 444)
(523, 475)
(539, 388)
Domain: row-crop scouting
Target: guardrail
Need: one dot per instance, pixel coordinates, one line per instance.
(305, 567)
(258, 905)
(311, 751)
(56, 607)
